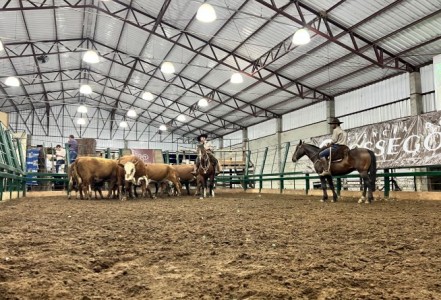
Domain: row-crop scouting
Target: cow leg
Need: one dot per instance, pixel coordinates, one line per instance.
(187, 187)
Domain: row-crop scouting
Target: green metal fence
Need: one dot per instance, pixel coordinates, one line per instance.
(12, 165)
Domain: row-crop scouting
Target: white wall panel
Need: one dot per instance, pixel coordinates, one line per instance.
(263, 129)
(377, 94)
(305, 116)
(233, 138)
(376, 115)
(427, 80)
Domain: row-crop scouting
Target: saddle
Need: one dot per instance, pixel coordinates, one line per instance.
(340, 154)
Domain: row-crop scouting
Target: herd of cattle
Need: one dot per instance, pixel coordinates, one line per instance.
(124, 175)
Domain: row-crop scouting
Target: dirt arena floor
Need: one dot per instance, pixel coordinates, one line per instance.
(236, 246)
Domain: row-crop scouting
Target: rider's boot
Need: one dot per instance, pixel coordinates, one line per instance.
(325, 165)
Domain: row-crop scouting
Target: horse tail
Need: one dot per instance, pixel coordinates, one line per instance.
(373, 169)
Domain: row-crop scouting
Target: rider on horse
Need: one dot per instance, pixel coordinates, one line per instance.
(202, 139)
(339, 138)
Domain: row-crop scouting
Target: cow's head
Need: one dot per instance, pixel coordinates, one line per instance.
(129, 171)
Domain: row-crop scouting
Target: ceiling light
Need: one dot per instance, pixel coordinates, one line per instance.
(123, 124)
(236, 78)
(301, 37)
(1, 46)
(163, 127)
(82, 109)
(148, 96)
(12, 81)
(81, 121)
(91, 57)
(181, 118)
(167, 67)
(85, 89)
(131, 113)
(206, 13)
(203, 102)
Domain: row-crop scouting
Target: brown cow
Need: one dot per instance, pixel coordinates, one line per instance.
(185, 175)
(134, 172)
(96, 169)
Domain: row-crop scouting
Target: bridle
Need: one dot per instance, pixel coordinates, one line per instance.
(206, 160)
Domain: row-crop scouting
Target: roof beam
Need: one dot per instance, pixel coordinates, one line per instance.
(322, 26)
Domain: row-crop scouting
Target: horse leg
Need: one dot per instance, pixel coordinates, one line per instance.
(331, 185)
(325, 193)
(366, 182)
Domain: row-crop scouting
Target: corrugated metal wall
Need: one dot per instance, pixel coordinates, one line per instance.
(263, 129)
(428, 88)
(305, 116)
(375, 103)
(233, 138)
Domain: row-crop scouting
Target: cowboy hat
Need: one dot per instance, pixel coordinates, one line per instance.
(335, 121)
(200, 136)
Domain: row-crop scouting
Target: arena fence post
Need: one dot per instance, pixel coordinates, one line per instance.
(307, 183)
(247, 163)
(282, 166)
(23, 167)
(108, 155)
(167, 157)
(265, 152)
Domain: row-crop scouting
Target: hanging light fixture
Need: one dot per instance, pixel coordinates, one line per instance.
(82, 109)
(148, 96)
(203, 102)
(236, 78)
(206, 13)
(85, 89)
(1, 46)
(131, 113)
(81, 121)
(167, 67)
(123, 124)
(163, 127)
(181, 118)
(91, 57)
(301, 37)
(12, 81)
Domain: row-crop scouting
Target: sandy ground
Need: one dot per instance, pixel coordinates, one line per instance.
(236, 246)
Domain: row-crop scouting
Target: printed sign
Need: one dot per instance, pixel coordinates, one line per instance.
(146, 155)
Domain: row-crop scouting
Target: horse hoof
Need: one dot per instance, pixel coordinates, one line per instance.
(322, 200)
(201, 198)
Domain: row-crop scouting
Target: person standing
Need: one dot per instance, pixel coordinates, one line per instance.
(60, 155)
(339, 138)
(73, 148)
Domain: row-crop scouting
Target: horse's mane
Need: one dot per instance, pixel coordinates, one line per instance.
(311, 145)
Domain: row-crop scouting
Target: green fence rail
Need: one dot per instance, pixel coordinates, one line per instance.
(299, 176)
(12, 165)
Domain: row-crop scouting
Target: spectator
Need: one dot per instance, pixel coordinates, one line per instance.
(60, 154)
(73, 148)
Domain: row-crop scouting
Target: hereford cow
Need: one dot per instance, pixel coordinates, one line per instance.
(185, 175)
(96, 169)
(135, 172)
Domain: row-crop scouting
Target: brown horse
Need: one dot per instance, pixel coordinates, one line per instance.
(204, 172)
(360, 159)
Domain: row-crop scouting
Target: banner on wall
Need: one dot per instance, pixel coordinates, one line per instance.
(408, 142)
(146, 155)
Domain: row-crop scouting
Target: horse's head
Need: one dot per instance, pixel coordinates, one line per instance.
(299, 152)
